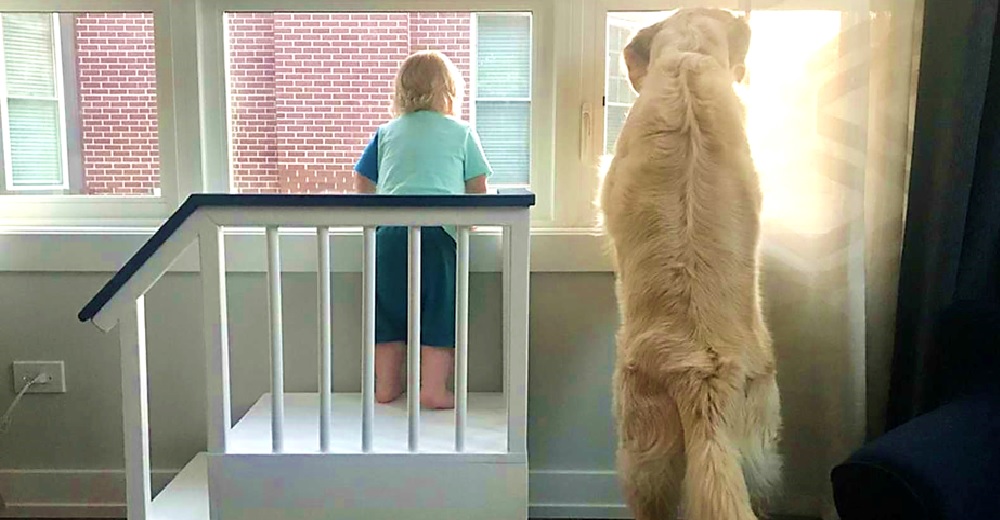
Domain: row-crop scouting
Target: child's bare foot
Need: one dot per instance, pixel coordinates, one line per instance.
(388, 393)
(438, 400)
(436, 364)
(388, 362)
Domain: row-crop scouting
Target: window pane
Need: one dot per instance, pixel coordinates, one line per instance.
(504, 128)
(36, 156)
(28, 55)
(614, 119)
(80, 102)
(308, 90)
(618, 91)
(504, 57)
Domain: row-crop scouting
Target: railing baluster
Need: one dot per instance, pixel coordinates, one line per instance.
(413, 347)
(135, 421)
(505, 283)
(325, 339)
(461, 338)
(368, 328)
(211, 245)
(277, 354)
(516, 363)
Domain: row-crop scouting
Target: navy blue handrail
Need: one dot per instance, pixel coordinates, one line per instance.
(516, 198)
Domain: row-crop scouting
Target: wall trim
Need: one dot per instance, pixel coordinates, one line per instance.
(580, 494)
(61, 493)
(101, 250)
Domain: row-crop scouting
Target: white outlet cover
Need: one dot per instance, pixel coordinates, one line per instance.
(25, 371)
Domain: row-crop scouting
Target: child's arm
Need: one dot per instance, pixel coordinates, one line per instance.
(367, 168)
(477, 167)
(476, 185)
(363, 185)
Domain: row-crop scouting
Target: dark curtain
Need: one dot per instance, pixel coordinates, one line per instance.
(951, 246)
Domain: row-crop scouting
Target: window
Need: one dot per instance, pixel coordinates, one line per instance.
(618, 96)
(816, 80)
(78, 104)
(33, 104)
(283, 96)
(503, 94)
(307, 90)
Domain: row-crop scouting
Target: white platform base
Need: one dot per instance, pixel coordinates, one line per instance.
(368, 487)
(486, 430)
(250, 483)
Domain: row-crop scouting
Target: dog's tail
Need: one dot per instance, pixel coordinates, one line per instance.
(715, 488)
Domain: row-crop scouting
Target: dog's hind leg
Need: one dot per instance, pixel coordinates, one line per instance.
(651, 483)
(761, 425)
(650, 455)
(714, 486)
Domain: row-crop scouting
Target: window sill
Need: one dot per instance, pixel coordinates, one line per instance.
(105, 250)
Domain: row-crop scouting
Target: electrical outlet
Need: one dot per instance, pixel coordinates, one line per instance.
(25, 371)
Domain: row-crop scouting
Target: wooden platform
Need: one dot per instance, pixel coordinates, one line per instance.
(186, 497)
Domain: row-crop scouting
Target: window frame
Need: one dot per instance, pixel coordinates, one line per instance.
(18, 208)
(213, 55)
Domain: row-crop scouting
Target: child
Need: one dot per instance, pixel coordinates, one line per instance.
(425, 149)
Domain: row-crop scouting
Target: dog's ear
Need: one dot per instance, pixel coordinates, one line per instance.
(637, 54)
(739, 43)
(637, 63)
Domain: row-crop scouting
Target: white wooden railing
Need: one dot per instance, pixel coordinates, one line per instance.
(204, 218)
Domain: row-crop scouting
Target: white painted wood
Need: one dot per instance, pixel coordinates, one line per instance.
(461, 338)
(135, 410)
(413, 346)
(150, 272)
(486, 429)
(277, 347)
(325, 337)
(517, 349)
(186, 496)
(506, 283)
(114, 6)
(360, 217)
(367, 487)
(368, 333)
(211, 248)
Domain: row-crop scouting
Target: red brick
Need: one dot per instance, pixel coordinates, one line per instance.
(307, 91)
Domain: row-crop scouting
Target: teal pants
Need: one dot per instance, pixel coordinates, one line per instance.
(437, 286)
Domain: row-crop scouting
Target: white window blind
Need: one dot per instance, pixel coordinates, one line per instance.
(34, 150)
(503, 94)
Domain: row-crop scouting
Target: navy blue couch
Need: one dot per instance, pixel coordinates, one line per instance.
(944, 464)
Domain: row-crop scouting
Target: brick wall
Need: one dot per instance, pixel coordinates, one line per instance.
(309, 89)
(117, 95)
(334, 77)
(254, 141)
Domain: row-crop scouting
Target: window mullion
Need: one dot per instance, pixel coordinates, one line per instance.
(57, 78)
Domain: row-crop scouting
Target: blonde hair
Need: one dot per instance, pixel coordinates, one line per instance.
(427, 80)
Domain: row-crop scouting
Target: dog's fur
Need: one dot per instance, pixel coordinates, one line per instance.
(695, 393)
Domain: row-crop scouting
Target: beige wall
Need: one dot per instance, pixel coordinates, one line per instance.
(571, 434)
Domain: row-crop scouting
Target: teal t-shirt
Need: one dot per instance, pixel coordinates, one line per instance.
(423, 153)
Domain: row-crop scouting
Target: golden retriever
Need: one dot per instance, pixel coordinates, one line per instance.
(695, 395)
